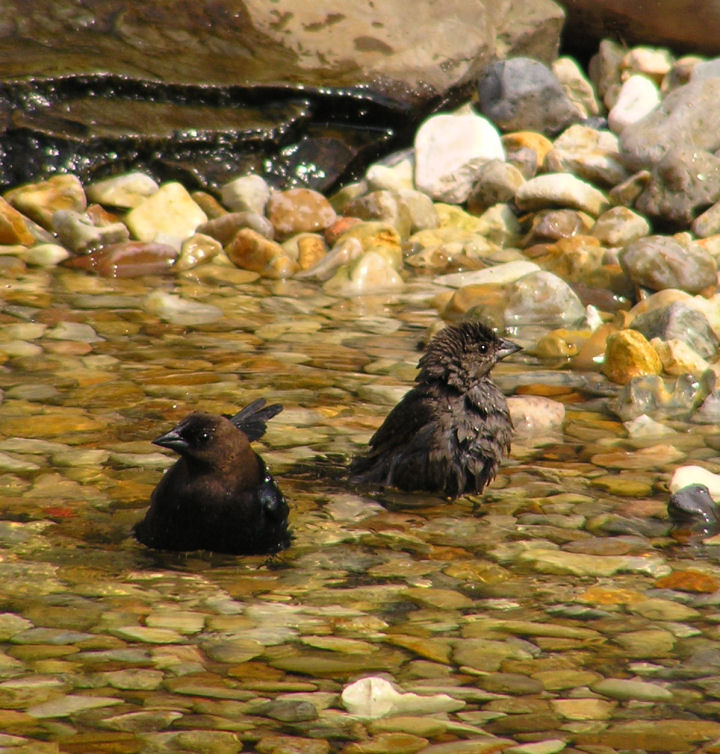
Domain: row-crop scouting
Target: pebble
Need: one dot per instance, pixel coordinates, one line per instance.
(638, 96)
(588, 154)
(299, 211)
(123, 191)
(524, 94)
(535, 415)
(449, 150)
(560, 190)
(41, 200)
(247, 193)
(179, 310)
(374, 697)
(252, 251)
(170, 210)
(368, 274)
(625, 689)
(628, 354)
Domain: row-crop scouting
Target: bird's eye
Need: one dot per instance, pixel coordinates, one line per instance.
(204, 436)
(483, 348)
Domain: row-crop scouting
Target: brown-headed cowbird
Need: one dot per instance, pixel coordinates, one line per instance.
(219, 495)
(449, 433)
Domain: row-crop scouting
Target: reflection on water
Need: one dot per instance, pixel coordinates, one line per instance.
(557, 608)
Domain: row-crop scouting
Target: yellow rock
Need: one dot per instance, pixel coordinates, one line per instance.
(530, 140)
(628, 354)
(252, 251)
(379, 237)
(591, 353)
(170, 210)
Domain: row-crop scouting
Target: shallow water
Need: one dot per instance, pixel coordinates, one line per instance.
(528, 607)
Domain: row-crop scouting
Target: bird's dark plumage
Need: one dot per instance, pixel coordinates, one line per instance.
(450, 432)
(219, 495)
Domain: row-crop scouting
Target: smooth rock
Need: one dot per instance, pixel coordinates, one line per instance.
(248, 193)
(46, 255)
(449, 149)
(123, 191)
(70, 705)
(385, 206)
(638, 96)
(658, 262)
(576, 85)
(583, 709)
(544, 299)
(77, 232)
(197, 249)
(13, 226)
(500, 274)
(646, 643)
(589, 154)
(394, 177)
(375, 697)
(524, 94)
(620, 226)
(170, 210)
(368, 274)
(252, 251)
(41, 200)
(299, 210)
(496, 182)
(225, 227)
(179, 310)
(129, 259)
(535, 415)
(343, 253)
(678, 357)
(683, 476)
(625, 689)
(560, 190)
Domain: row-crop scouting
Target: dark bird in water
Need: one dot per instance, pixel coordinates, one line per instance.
(219, 495)
(450, 432)
(692, 509)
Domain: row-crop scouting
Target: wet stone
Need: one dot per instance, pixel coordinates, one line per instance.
(621, 688)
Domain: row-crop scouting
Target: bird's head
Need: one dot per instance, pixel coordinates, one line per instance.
(461, 354)
(209, 439)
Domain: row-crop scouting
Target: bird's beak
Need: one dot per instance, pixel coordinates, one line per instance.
(173, 440)
(506, 348)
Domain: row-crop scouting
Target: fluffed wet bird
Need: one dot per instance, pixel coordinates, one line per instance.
(452, 429)
(219, 495)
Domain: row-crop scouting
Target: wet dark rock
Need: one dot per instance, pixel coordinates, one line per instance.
(682, 322)
(692, 507)
(521, 94)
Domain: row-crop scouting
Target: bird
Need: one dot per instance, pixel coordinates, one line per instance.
(448, 433)
(219, 495)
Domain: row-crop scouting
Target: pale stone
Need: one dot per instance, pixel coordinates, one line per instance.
(197, 249)
(535, 415)
(374, 697)
(148, 634)
(249, 193)
(625, 688)
(41, 200)
(46, 255)
(582, 709)
(170, 210)
(395, 177)
(560, 190)
(587, 153)
(576, 85)
(70, 705)
(122, 191)
(370, 273)
(448, 150)
(500, 274)
(179, 310)
(77, 331)
(637, 97)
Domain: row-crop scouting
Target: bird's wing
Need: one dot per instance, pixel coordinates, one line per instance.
(252, 420)
(406, 420)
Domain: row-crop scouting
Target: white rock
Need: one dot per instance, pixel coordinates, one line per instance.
(560, 190)
(375, 697)
(123, 191)
(342, 253)
(397, 177)
(448, 152)
(179, 310)
(637, 97)
(686, 475)
(75, 331)
(169, 210)
(535, 416)
(248, 193)
(508, 272)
